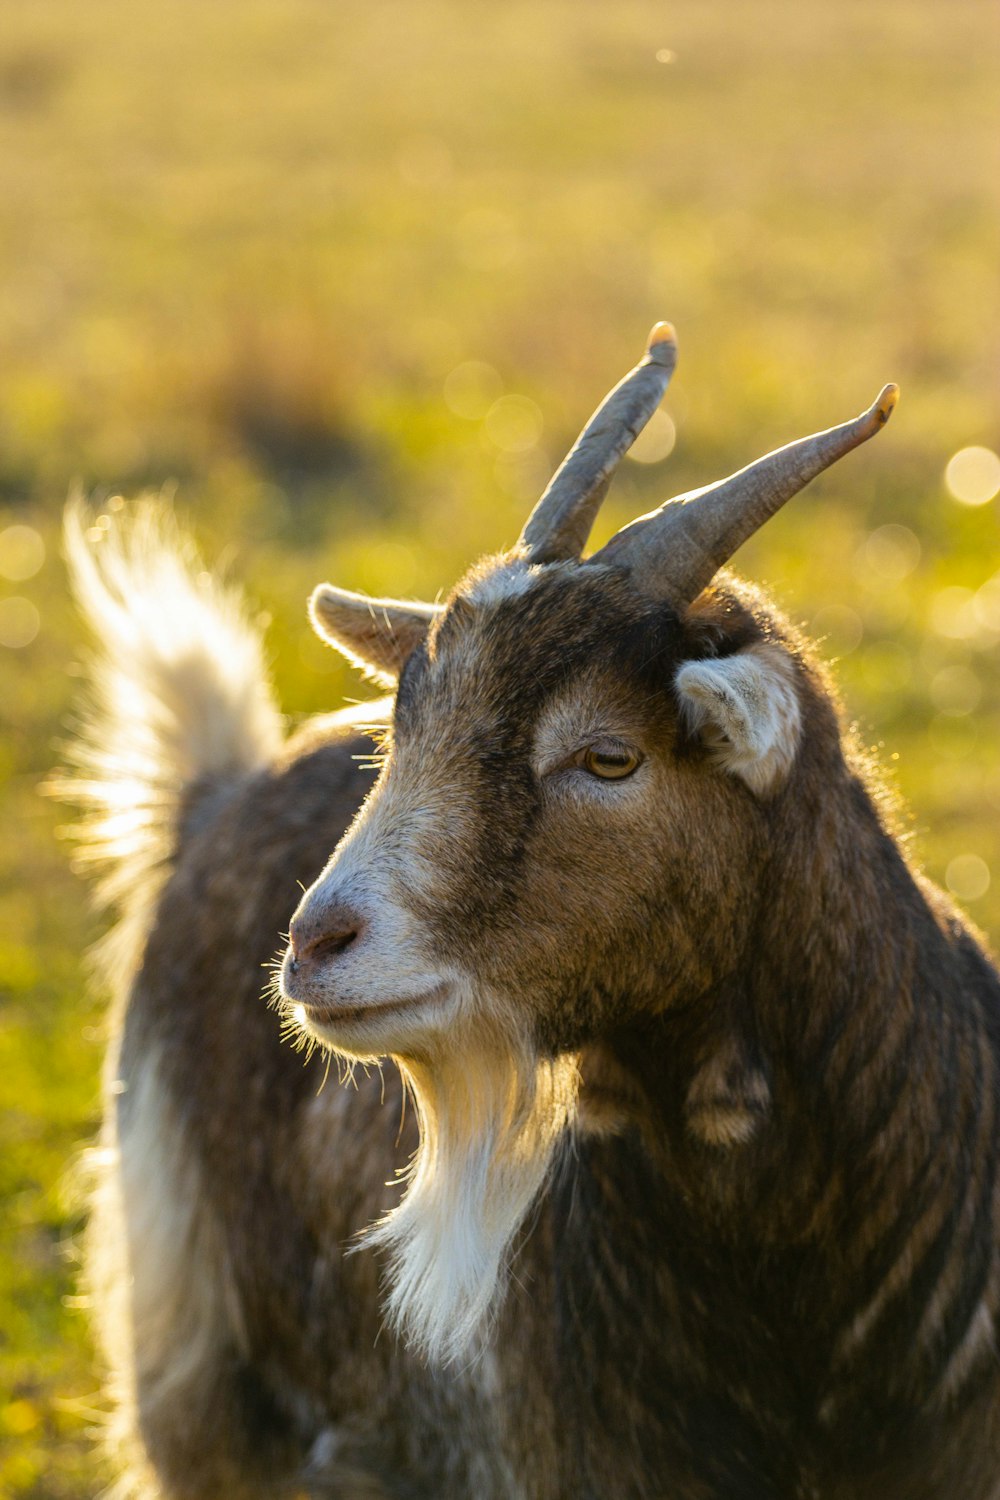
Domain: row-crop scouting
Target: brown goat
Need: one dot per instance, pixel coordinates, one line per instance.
(700, 1196)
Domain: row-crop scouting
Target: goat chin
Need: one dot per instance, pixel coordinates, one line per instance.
(491, 1116)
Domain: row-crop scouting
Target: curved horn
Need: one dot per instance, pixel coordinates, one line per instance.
(560, 523)
(676, 551)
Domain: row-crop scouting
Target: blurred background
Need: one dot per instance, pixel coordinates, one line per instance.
(344, 279)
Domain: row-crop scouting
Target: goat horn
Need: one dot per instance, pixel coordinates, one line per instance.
(560, 523)
(676, 551)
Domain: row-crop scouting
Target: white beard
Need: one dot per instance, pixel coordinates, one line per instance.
(490, 1117)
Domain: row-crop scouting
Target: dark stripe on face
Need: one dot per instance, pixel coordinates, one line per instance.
(471, 700)
(568, 622)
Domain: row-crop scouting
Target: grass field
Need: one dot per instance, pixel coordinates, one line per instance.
(345, 279)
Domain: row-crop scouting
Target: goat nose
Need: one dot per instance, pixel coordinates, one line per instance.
(325, 936)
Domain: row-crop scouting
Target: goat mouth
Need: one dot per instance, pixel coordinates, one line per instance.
(324, 1014)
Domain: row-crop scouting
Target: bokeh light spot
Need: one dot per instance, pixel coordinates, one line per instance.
(953, 613)
(955, 691)
(514, 424)
(471, 389)
(968, 877)
(20, 1417)
(522, 476)
(892, 552)
(973, 476)
(656, 440)
(953, 738)
(19, 622)
(986, 605)
(22, 553)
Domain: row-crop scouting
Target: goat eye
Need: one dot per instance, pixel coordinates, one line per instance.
(610, 765)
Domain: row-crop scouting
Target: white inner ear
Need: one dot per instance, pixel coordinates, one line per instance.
(746, 709)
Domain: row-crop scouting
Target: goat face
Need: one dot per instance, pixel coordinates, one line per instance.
(541, 815)
(572, 796)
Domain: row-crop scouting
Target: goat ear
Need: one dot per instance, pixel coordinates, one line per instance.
(746, 709)
(376, 635)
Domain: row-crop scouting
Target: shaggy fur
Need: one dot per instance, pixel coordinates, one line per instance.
(700, 1191)
(489, 1122)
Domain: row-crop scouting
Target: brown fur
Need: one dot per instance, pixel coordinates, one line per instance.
(764, 1262)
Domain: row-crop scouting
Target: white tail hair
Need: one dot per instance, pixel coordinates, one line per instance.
(179, 695)
(178, 707)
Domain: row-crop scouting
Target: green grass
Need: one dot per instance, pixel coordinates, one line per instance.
(243, 245)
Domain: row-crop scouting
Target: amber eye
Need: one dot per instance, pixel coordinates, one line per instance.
(610, 763)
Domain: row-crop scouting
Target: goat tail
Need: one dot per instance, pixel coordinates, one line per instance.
(178, 706)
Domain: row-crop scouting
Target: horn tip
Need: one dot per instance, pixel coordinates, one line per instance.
(885, 405)
(661, 345)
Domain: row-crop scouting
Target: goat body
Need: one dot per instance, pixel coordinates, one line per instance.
(701, 1179)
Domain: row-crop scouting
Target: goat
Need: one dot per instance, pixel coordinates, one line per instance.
(699, 1196)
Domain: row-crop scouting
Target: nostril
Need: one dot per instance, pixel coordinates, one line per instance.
(325, 939)
(331, 944)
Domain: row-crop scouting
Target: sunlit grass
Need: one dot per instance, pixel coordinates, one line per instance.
(347, 279)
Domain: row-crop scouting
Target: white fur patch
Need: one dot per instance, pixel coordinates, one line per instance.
(374, 867)
(163, 1296)
(727, 1100)
(508, 582)
(746, 708)
(979, 1342)
(490, 1119)
(179, 692)
(852, 1337)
